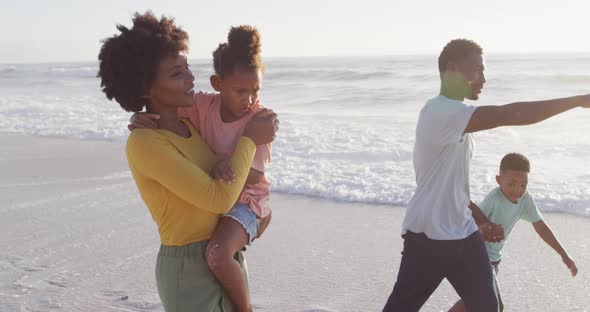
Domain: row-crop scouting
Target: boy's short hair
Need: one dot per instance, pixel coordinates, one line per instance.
(515, 161)
(456, 51)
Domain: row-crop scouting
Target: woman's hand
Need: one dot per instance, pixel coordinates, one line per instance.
(262, 127)
(142, 120)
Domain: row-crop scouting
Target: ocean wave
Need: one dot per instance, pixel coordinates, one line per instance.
(69, 69)
(8, 69)
(349, 141)
(400, 196)
(31, 72)
(80, 117)
(328, 75)
(543, 79)
(72, 72)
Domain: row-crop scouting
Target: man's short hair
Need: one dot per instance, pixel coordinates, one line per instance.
(456, 51)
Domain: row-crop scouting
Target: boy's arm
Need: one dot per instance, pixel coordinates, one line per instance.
(544, 231)
(522, 113)
(492, 232)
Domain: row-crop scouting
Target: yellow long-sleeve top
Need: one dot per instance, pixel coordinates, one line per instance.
(171, 173)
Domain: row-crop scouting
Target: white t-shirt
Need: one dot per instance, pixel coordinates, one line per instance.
(442, 153)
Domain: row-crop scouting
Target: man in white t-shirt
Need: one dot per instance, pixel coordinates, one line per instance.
(440, 229)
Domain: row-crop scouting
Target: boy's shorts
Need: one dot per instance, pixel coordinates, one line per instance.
(248, 219)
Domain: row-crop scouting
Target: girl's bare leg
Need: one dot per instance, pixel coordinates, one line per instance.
(229, 237)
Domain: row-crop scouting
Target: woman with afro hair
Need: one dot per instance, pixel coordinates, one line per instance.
(220, 118)
(146, 67)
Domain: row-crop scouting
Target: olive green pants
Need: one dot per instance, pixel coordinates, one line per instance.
(185, 282)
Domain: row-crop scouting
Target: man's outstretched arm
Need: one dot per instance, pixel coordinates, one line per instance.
(522, 113)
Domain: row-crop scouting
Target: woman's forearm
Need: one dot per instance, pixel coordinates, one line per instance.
(154, 159)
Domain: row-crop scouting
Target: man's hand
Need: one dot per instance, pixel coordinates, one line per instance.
(143, 121)
(583, 100)
(222, 171)
(571, 265)
(492, 232)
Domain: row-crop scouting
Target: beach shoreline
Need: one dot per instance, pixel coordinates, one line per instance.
(77, 237)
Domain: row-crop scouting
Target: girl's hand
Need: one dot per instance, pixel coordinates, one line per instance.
(263, 224)
(262, 127)
(222, 171)
(254, 176)
(143, 121)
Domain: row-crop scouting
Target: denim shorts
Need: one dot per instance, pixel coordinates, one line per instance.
(248, 219)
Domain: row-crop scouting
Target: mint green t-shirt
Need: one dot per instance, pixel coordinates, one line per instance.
(502, 211)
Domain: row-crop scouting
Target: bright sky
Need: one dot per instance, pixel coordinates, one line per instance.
(70, 30)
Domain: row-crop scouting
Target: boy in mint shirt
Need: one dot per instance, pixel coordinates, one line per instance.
(509, 203)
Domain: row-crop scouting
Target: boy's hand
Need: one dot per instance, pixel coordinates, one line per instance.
(570, 265)
(492, 232)
(498, 232)
(223, 171)
(143, 121)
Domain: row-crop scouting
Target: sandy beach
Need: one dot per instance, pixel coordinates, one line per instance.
(77, 237)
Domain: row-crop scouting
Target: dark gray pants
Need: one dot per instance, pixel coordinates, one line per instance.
(426, 262)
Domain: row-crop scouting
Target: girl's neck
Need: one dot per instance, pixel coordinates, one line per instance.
(225, 114)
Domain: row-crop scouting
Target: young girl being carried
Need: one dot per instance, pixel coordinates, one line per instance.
(221, 118)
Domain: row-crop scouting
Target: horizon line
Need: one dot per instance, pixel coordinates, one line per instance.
(352, 55)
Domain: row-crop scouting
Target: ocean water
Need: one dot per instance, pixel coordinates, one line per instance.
(347, 124)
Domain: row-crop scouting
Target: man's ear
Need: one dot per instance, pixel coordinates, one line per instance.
(452, 66)
(498, 179)
(215, 82)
